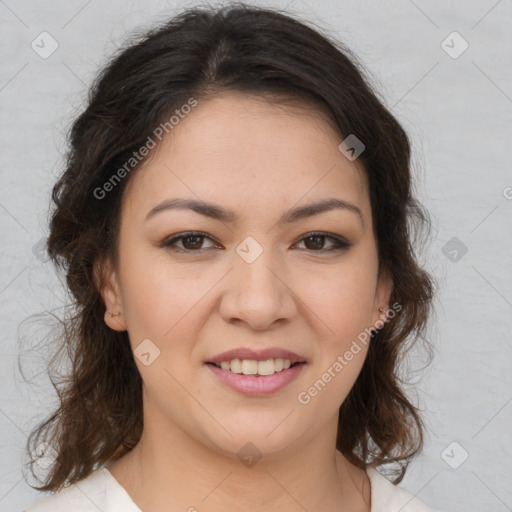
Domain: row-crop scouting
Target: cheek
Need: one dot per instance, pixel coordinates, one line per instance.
(342, 298)
(161, 306)
(156, 295)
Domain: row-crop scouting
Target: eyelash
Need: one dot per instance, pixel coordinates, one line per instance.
(170, 243)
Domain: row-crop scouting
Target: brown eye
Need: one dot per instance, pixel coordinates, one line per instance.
(190, 242)
(316, 242)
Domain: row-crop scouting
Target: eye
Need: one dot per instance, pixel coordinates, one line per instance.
(191, 241)
(316, 242)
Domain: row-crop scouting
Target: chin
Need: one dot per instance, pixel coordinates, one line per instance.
(257, 443)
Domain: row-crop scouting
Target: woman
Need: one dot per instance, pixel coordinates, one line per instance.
(235, 224)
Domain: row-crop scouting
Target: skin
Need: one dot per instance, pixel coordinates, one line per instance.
(259, 160)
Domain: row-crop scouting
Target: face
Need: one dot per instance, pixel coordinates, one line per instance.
(255, 278)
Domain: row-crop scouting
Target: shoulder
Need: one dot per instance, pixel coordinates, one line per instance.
(87, 495)
(387, 497)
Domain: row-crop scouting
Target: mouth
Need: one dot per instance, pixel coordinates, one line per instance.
(261, 368)
(256, 372)
(254, 378)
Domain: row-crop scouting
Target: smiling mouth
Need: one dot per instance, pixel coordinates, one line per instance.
(257, 368)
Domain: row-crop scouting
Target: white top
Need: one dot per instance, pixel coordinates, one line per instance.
(101, 491)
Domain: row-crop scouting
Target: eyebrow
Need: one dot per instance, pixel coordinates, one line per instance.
(222, 214)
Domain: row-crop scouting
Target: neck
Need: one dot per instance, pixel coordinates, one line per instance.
(171, 467)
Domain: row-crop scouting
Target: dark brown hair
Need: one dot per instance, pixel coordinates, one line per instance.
(197, 54)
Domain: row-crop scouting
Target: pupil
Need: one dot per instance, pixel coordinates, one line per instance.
(197, 243)
(319, 239)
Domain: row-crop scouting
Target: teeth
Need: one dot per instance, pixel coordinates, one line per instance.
(266, 367)
(249, 367)
(235, 366)
(253, 367)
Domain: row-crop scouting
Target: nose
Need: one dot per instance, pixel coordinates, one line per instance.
(258, 294)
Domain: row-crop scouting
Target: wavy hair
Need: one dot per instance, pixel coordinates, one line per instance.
(198, 53)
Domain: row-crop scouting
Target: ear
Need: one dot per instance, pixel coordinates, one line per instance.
(106, 281)
(382, 298)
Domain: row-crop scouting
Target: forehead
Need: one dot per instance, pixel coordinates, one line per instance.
(240, 148)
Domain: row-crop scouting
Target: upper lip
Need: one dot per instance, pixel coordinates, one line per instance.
(258, 355)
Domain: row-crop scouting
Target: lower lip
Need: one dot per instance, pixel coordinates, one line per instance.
(255, 385)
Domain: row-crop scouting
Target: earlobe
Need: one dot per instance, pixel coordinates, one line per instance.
(382, 298)
(115, 320)
(106, 281)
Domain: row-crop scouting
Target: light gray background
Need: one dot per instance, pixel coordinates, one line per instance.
(458, 112)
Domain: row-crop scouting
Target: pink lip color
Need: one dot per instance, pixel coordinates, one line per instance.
(254, 385)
